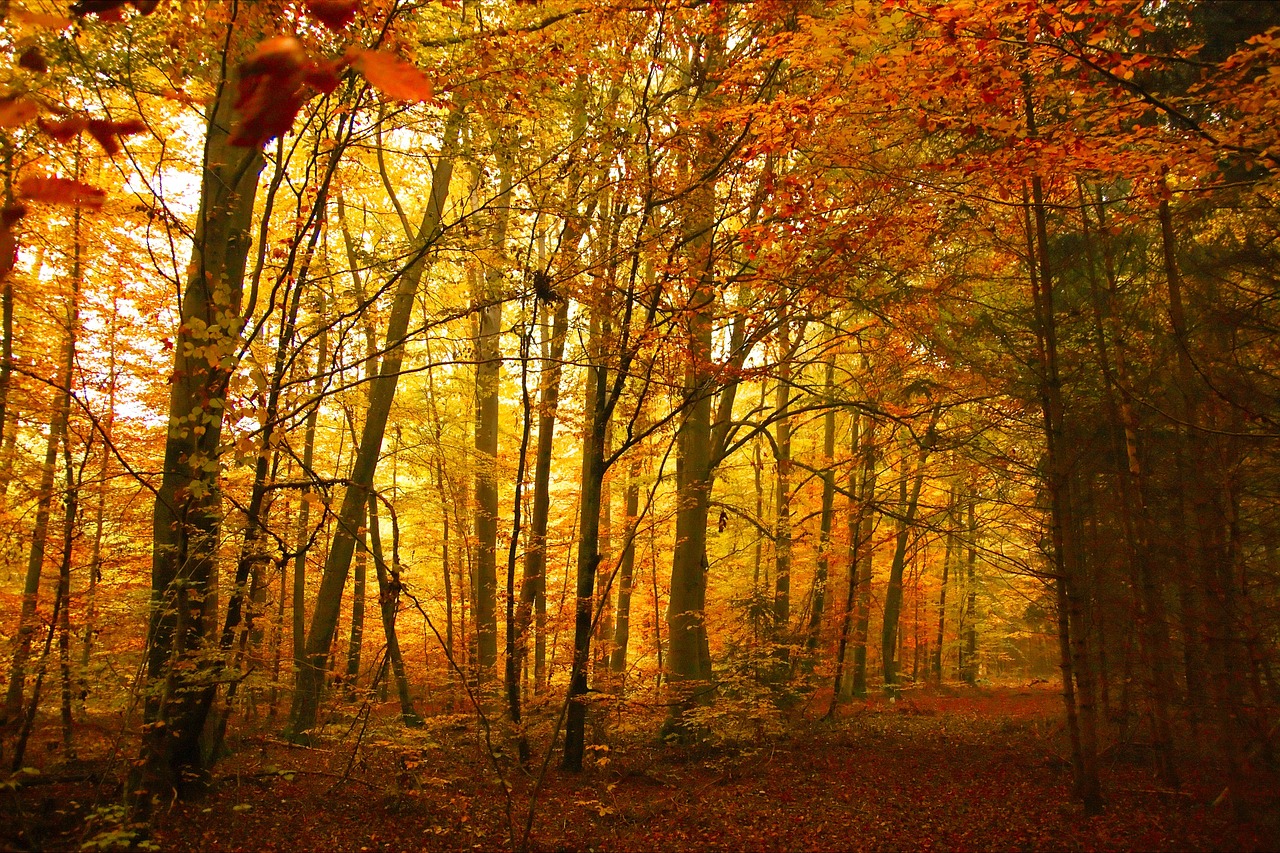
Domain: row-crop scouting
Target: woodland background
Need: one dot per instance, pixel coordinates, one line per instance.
(695, 363)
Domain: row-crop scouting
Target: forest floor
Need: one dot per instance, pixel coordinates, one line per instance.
(952, 769)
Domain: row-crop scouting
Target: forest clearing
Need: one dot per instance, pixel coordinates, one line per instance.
(950, 769)
(610, 424)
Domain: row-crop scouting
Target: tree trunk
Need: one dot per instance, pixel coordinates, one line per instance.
(27, 622)
(969, 668)
(828, 506)
(351, 516)
(908, 502)
(942, 594)
(488, 369)
(862, 607)
(782, 508)
(302, 535)
(600, 402)
(188, 508)
(626, 568)
(533, 582)
(1077, 667)
(388, 605)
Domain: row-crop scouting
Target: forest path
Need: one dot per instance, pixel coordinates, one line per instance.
(957, 770)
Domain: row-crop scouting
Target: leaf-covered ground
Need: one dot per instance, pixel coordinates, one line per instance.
(962, 771)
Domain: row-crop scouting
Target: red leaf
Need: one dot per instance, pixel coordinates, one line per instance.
(398, 80)
(65, 130)
(270, 91)
(33, 60)
(334, 14)
(109, 133)
(62, 191)
(107, 10)
(15, 112)
(324, 76)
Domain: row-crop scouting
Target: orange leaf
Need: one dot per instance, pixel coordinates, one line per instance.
(40, 19)
(15, 111)
(398, 80)
(269, 93)
(108, 133)
(62, 191)
(65, 130)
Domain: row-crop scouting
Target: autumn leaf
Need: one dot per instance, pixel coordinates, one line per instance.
(334, 14)
(324, 75)
(16, 111)
(109, 133)
(9, 216)
(62, 191)
(108, 10)
(394, 78)
(270, 91)
(39, 19)
(64, 130)
(33, 60)
(112, 10)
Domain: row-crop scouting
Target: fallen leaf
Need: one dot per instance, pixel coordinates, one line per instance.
(269, 92)
(16, 111)
(394, 78)
(39, 19)
(62, 191)
(109, 133)
(33, 60)
(334, 14)
(65, 130)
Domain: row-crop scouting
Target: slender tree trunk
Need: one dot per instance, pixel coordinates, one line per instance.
(302, 535)
(593, 473)
(533, 582)
(70, 506)
(355, 640)
(488, 369)
(100, 502)
(862, 607)
(782, 509)
(854, 519)
(626, 568)
(942, 593)
(1080, 701)
(310, 678)
(27, 622)
(908, 503)
(389, 587)
(828, 506)
(969, 669)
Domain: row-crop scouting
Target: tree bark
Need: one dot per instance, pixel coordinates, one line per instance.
(310, 677)
(828, 507)
(909, 502)
(27, 623)
(188, 513)
(488, 370)
(626, 568)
